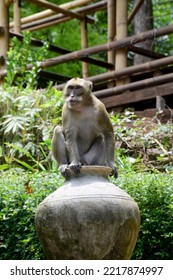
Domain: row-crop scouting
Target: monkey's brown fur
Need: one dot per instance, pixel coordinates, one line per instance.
(86, 136)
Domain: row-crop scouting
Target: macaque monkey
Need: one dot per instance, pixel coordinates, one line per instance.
(86, 136)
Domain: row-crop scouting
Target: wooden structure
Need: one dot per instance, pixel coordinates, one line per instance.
(121, 85)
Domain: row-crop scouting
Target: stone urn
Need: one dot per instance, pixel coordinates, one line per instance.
(88, 218)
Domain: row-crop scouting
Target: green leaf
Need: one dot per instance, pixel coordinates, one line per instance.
(29, 167)
(4, 166)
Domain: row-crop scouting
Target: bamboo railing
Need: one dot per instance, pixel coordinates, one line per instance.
(117, 46)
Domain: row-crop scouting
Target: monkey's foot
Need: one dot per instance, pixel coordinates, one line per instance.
(114, 173)
(64, 170)
(76, 167)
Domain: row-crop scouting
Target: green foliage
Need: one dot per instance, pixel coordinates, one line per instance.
(27, 115)
(62, 37)
(20, 55)
(154, 195)
(27, 118)
(162, 17)
(20, 194)
(143, 144)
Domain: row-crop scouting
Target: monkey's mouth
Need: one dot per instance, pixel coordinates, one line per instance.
(73, 102)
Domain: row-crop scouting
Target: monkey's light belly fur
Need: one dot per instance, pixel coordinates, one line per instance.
(88, 218)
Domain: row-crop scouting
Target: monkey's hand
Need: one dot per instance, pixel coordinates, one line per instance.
(114, 170)
(75, 166)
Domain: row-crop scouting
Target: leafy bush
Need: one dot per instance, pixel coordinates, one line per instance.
(20, 55)
(154, 194)
(146, 142)
(20, 194)
(27, 115)
(27, 118)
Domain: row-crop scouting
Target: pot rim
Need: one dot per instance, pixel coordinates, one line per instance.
(89, 170)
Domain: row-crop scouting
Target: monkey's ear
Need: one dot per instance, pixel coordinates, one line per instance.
(90, 86)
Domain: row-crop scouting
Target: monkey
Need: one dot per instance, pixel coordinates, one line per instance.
(86, 136)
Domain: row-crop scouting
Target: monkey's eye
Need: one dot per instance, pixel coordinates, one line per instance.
(68, 90)
(70, 87)
(78, 87)
(79, 90)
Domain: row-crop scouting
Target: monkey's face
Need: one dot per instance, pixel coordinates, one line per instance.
(76, 92)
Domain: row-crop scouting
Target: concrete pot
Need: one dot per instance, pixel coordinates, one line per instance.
(88, 218)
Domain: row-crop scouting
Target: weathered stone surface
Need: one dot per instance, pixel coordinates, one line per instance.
(88, 218)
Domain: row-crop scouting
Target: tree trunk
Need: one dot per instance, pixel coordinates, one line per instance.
(143, 21)
(4, 34)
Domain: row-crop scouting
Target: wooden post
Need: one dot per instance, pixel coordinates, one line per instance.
(121, 33)
(111, 17)
(4, 33)
(111, 10)
(17, 21)
(160, 101)
(84, 44)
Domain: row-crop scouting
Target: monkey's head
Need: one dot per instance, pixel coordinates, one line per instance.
(77, 93)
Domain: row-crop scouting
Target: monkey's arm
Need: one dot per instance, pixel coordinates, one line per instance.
(70, 132)
(73, 152)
